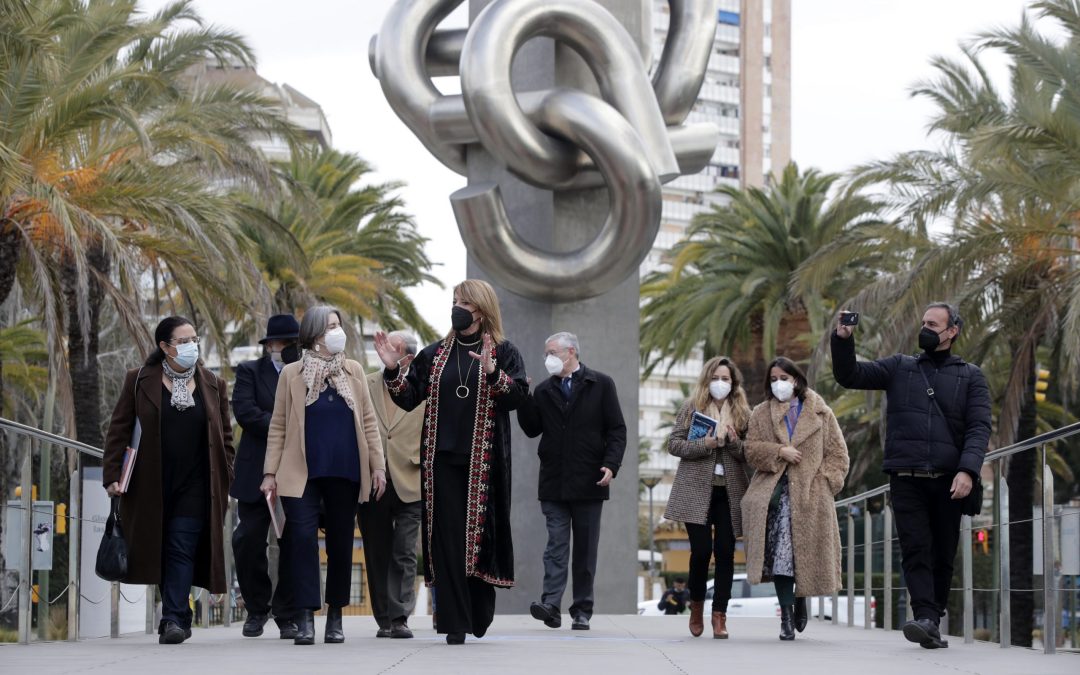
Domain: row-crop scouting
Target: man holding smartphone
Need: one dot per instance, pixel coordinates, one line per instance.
(938, 428)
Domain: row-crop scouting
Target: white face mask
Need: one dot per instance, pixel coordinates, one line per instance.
(719, 389)
(783, 389)
(276, 357)
(335, 340)
(186, 355)
(553, 364)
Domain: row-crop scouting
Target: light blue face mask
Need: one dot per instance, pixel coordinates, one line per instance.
(186, 355)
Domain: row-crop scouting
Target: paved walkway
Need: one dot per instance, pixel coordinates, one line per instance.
(616, 645)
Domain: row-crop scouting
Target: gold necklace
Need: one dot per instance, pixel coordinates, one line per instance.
(463, 383)
(468, 344)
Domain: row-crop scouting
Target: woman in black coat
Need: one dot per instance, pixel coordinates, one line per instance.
(470, 379)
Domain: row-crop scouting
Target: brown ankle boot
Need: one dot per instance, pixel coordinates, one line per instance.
(719, 625)
(697, 619)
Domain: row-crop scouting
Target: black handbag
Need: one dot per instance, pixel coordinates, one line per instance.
(112, 555)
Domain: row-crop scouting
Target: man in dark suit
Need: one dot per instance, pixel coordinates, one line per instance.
(253, 405)
(584, 437)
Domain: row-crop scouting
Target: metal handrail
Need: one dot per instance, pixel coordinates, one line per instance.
(1001, 489)
(55, 439)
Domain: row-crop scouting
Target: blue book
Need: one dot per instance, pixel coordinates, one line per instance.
(700, 426)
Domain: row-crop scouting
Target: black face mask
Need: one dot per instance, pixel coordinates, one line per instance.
(290, 354)
(929, 340)
(460, 318)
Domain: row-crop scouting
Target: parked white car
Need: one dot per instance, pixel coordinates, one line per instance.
(760, 602)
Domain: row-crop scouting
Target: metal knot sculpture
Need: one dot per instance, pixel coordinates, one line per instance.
(630, 139)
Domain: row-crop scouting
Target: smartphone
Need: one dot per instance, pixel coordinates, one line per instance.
(849, 318)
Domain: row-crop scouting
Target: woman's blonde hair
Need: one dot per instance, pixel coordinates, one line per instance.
(480, 293)
(740, 407)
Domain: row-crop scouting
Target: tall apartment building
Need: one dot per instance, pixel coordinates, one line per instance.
(747, 93)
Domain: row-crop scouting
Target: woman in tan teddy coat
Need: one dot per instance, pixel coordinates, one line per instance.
(792, 536)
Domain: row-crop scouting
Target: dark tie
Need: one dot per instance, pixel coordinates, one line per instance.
(566, 388)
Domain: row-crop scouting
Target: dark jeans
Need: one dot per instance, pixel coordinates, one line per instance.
(928, 525)
(714, 539)
(338, 497)
(390, 528)
(180, 542)
(583, 518)
(249, 550)
(466, 604)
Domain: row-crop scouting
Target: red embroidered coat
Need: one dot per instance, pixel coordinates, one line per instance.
(489, 552)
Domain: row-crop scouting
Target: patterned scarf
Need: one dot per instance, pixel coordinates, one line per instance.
(318, 372)
(181, 397)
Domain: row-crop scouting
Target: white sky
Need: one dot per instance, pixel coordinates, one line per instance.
(853, 64)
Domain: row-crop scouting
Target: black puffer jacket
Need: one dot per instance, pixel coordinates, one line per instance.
(917, 437)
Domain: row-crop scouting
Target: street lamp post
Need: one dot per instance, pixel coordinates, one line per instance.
(651, 481)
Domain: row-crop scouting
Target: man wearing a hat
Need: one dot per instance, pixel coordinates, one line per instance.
(253, 405)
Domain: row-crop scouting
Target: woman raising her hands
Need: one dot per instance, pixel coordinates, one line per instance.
(471, 379)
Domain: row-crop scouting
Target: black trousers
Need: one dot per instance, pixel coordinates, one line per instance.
(583, 518)
(928, 525)
(337, 497)
(180, 543)
(390, 527)
(249, 550)
(466, 604)
(716, 539)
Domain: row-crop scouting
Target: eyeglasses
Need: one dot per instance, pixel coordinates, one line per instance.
(184, 341)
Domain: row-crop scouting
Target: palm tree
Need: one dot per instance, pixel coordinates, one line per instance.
(117, 167)
(729, 286)
(348, 243)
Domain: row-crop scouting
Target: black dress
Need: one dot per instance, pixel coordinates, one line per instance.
(465, 475)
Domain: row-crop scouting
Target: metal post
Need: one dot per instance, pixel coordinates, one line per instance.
(114, 609)
(151, 628)
(652, 542)
(74, 543)
(850, 567)
(205, 608)
(969, 592)
(26, 574)
(868, 565)
(887, 513)
(230, 525)
(1005, 613)
(44, 494)
(821, 608)
(1051, 616)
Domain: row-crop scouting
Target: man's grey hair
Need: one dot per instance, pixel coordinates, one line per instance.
(953, 312)
(411, 343)
(313, 325)
(566, 340)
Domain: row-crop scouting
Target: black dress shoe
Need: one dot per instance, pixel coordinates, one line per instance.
(253, 627)
(305, 628)
(187, 633)
(287, 629)
(455, 638)
(926, 633)
(382, 632)
(170, 634)
(400, 630)
(546, 612)
(334, 634)
(580, 623)
(787, 623)
(801, 615)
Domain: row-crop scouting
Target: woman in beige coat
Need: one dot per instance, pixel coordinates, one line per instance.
(798, 451)
(323, 452)
(709, 485)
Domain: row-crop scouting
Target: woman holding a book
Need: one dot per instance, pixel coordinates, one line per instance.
(800, 459)
(708, 440)
(323, 453)
(170, 444)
